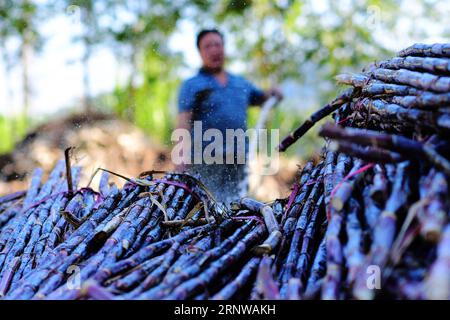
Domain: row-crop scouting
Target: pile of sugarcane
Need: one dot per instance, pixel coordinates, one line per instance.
(369, 220)
(154, 238)
(382, 183)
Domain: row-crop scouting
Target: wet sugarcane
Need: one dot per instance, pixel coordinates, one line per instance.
(119, 241)
(422, 81)
(33, 199)
(318, 271)
(43, 231)
(396, 143)
(374, 88)
(423, 119)
(428, 64)
(370, 154)
(433, 215)
(306, 183)
(33, 190)
(157, 275)
(138, 274)
(353, 250)
(190, 287)
(385, 230)
(174, 279)
(9, 213)
(332, 284)
(437, 284)
(427, 50)
(66, 248)
(308, 242)
(371, 209)
(343, 190)
(103, 185)
(273, 229)
(193, 253)
(289, 266)
(266, 288)
(27, 255)
(25, 222)
(426, 101)
(244, 277)
(150, 234)
(30, 284)
(328, 181)
(151, 231)
(94, 265)
(267, 213)
(316, 117)
(146, 253)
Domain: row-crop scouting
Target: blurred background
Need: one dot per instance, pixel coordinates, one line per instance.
(103, 75)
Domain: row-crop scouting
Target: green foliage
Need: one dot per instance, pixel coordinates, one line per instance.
(148, 105)
(12, 129)
(20, 19)
(6, 141)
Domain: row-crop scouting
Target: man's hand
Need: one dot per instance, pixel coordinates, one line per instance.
(274, 92)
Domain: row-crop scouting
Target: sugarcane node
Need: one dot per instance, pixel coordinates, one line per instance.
(432, 235)
(269, 218)
(199, 222)
(262, 249)
(334, 145)
(269, 245)
(235, 206)
(250, 204)
(337, 203)
(389, 214)
(70, 218)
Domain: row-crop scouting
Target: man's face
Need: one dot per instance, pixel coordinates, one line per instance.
(212, 51)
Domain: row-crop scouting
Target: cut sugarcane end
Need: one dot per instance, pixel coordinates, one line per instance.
(337, 204)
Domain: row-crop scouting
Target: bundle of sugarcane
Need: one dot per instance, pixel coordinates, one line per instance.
(409, 95)
(155, 238)
(356, 229)
(384, 181)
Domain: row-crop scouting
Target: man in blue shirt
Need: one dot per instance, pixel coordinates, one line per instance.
(217, 100)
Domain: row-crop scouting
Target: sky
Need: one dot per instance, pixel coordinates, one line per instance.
(56, 73)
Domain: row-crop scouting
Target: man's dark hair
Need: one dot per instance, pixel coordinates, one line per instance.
(204, 32)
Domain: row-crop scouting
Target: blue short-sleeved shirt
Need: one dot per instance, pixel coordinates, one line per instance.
(218, 106)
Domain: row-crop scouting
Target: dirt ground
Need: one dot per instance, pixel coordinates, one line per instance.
(103, 141)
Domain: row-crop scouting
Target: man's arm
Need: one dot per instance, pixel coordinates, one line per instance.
(258, 96)
(272, 92)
